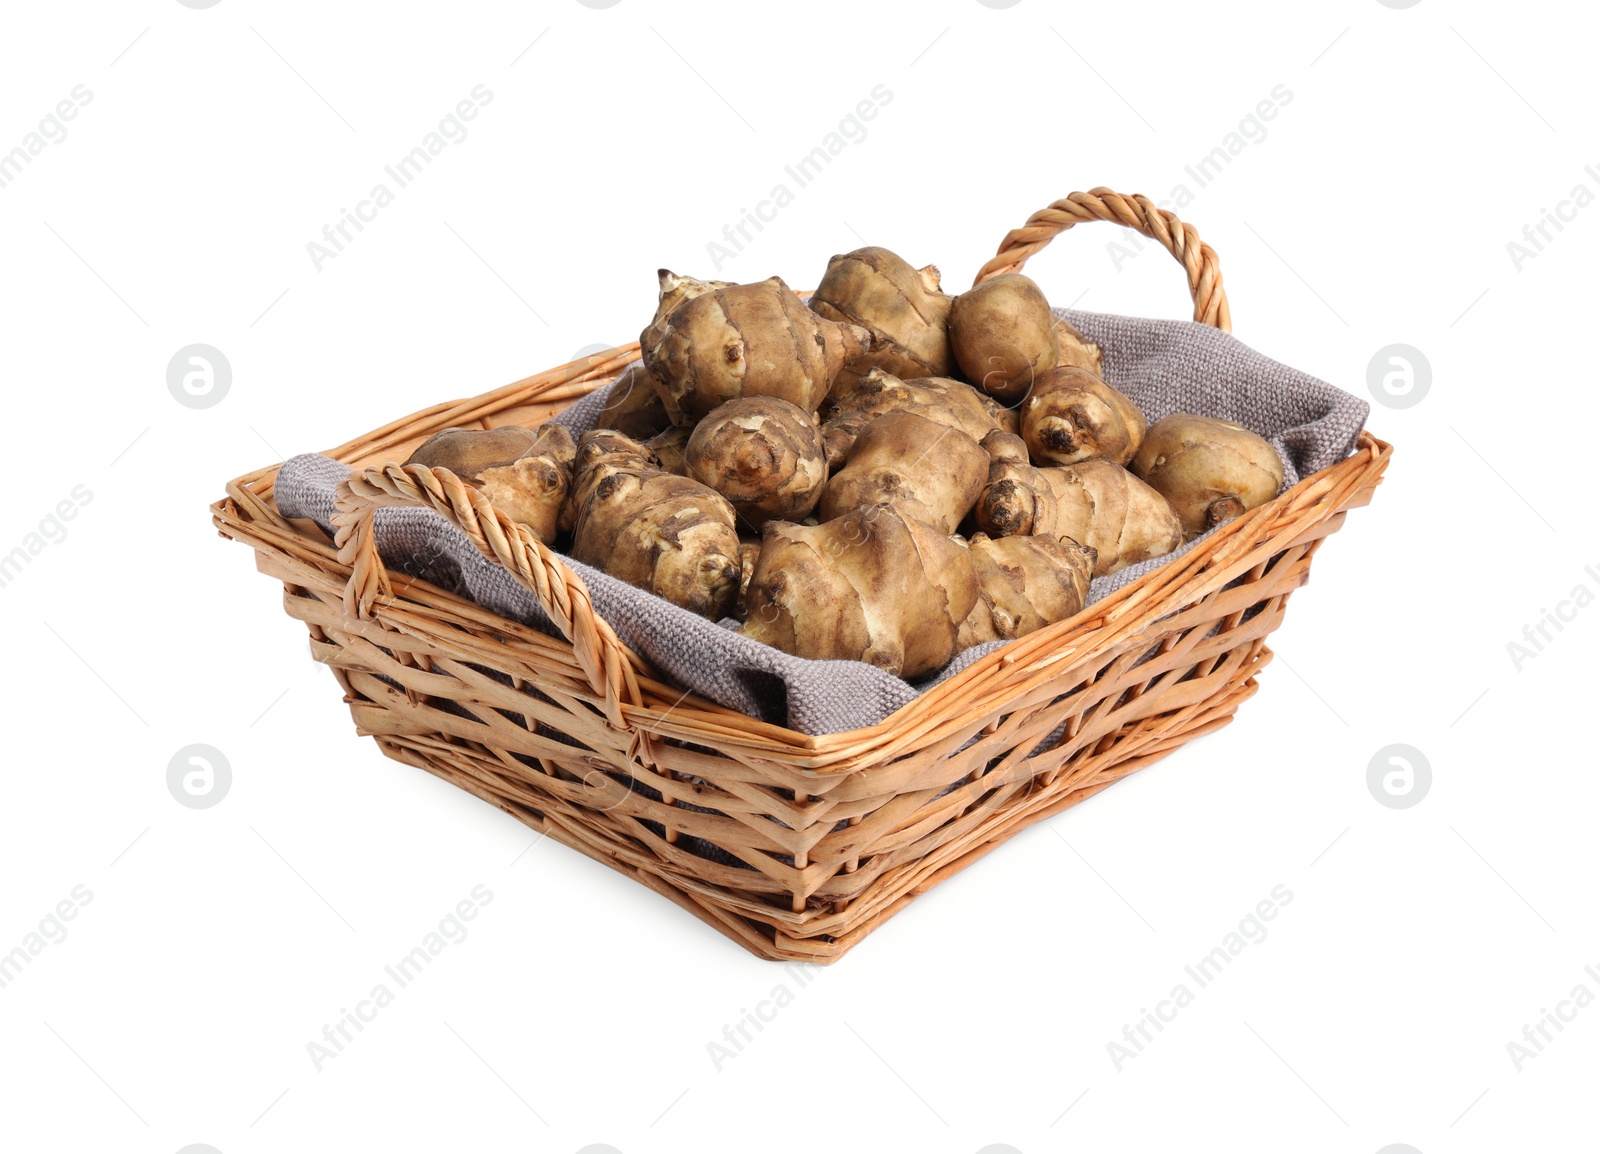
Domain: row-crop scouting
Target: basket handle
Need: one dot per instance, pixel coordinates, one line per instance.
(1138, 213)
(605, 661)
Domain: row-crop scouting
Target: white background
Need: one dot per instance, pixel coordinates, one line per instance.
(219, 942)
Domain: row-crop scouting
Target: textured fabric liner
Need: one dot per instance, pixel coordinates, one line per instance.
(1164, 366)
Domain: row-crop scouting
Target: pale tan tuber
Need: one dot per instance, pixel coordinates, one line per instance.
(667, 447)
(949, 402)
(876, 585)
(1073, 415)
(749, 554)
(525, 473)
(902, 307)
(1024, 584)
(933, 470)
(1209, 470)
(633, 407)
(1097, 503)
(749, 340)
(1003, 335)
(663, 533)
(1073, 348)
(764, 455)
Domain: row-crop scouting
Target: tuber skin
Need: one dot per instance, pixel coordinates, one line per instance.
(525, 473)
(666, 534)
(749, 340)
(633, 407)
(1077, 350)
(932, 470)
(950, 402)
(764, 455)
(902, 307)
(675, 290)
(1003, 335)
(1024, 584)
(1097, 503)
(667, 448)
(1073, 415)
(1209, 470)
(876, 585)
(749, 553)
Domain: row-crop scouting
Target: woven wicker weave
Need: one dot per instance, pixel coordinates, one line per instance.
(796, 847)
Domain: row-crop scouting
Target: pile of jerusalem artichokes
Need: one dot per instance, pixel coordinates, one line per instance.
(885, 474)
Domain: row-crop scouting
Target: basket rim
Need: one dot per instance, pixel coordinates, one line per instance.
(925, 718)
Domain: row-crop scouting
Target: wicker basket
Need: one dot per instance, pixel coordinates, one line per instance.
(796, 847)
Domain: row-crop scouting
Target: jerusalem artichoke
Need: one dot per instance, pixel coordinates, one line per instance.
(764, 455)
(934, 470)
(633, 407)
(1073, 415)
(876, 585)
(749, 340)
(663, 533)
(1003, 335)
(1024, 584)
(523, 472)
(1097, 503)
(950, 402)
(902, 307)
(1210, 470)
(1073, 348)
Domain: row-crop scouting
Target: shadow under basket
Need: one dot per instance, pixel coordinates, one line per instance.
(794, 846)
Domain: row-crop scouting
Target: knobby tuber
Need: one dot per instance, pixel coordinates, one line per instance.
(663, 533)
(1024, 584)
(1003, 335)
(1073, 415)
(525, 473)
(764, 455)
(633, 407)
(1073, 348)
(933, 470)
(876, 585)
(949, 402)
(1209, 470)
(1097, 503)
(902, 307)
(667, 447)
(749, 340)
